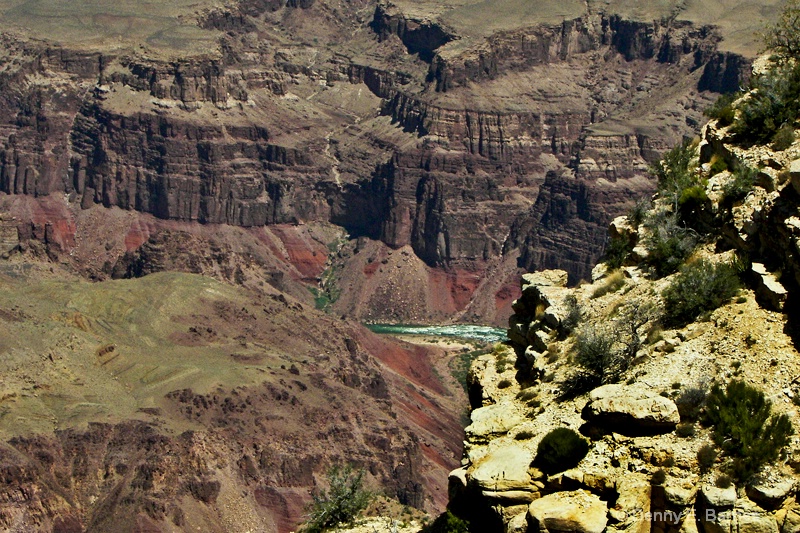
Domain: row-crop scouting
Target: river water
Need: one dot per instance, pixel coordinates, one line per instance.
(463, 331)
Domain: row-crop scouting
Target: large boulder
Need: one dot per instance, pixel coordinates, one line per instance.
(493, 420)
(503, 469)
(631, 410)
(568, 512)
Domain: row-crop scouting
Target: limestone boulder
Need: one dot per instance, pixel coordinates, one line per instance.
(576, 512)
(631, 410)
(770, 494)
(493, 420)
(503, 469)
(794, 174)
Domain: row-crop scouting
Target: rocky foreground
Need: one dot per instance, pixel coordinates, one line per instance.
(648, 467)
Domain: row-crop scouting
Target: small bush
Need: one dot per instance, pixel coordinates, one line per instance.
(527, 394)
(701, 286)
(685, 431)
(673, 172)
(692, 201)
(718, 165)
(616, 252)
(745, 428)
(504, 384)
(573, 318)
(341, 503)
(743, 182)
(613, 282)
(447, 522)
(783, 138)
(706, 457)
(722, 110)
(559, 450)
(639, 211)
(524, 435)
(668, 244)
(723, 481)
(772, 103)
(658, 477)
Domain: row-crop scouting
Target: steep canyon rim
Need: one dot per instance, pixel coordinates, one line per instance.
(221, 151)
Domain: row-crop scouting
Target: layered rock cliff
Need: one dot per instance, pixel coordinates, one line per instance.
(610, 361)
(402, 127)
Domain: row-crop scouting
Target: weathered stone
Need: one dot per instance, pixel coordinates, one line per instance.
(789, 519)
(794, 174)
(718, 498)
(768, 289)
(633, 501)
(9, 236)
(544, 278)
(503, 469)
(631, 410)
(518, 524)
(680, 492)
(577, 511)
(768, 494)
(495, 419)
(750, 518)
(508, 497)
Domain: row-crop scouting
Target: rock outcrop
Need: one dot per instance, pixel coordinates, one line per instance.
(609, 361)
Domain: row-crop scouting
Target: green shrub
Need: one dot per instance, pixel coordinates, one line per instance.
(668, 244)
(685, 431)
(639, 211)
(341, 503)
(722, 110)
(573, 318)
(447, 522)
(658, 477)
(524, 435)
(701, 286)
(783, 37)
(691, 202)
(773, 102)
(783, 138)
(718, 165)
(616, 252)
(745, 428)
(528, 394)
(673, 172)
(706, 457)
(559, 450)
(723, 481)
(744, 179)
(504, 384)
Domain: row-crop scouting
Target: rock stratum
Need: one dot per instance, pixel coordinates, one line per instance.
(654, 463)
(483, 147)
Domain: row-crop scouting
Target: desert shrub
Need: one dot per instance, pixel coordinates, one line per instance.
(524, 435)
(691, 203)
(718, 164)
(658, 477)
(668, 244)
(616, 252)
(447, 522)
(706, 457)
(504, 384)
(783, 37)
(744, 179)
(685, 431)
(745, 428)
(722, 110)
(772, 103)
(701, 286)
(341, 503)
(559, 450)
(573, 317)
(690, 403)
(613, 282)
(783, 138)
(723, 481)
(673, 172)
(639, 211)
(596, 357)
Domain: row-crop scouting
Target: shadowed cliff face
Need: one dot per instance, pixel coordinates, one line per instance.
(395, 123)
